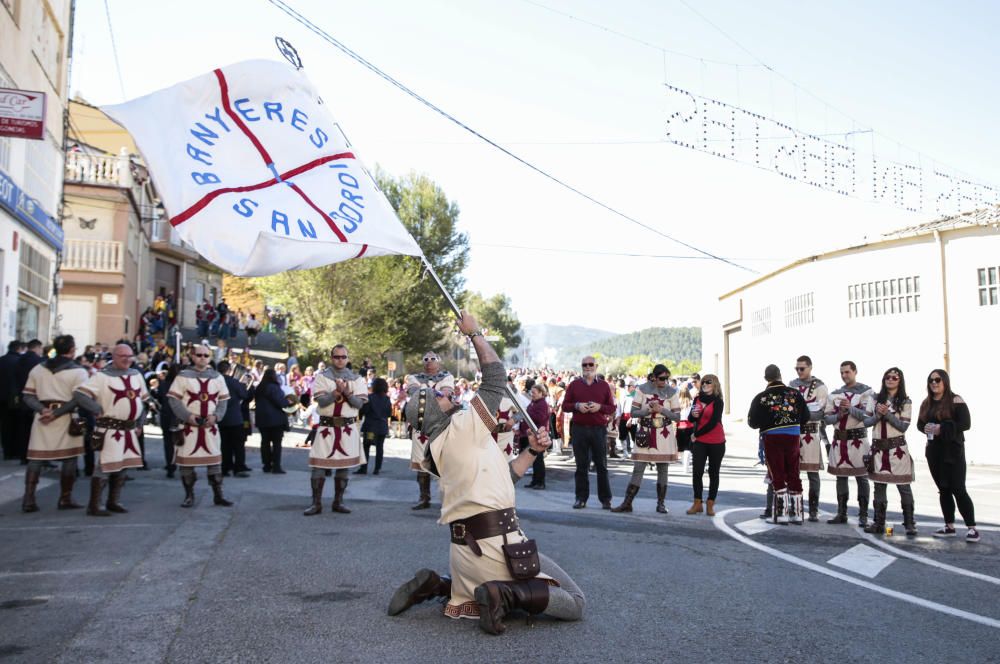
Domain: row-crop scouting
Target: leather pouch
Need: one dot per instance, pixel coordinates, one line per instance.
(522, 559)
(76, 427)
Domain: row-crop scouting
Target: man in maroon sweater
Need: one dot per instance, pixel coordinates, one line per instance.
(591, 402)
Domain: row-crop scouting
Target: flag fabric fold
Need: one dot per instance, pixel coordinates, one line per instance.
(256, 174)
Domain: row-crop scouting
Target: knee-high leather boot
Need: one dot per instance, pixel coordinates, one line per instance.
(66, 483)
(496, 599)
(769, 509)
(422, 587)
(424, 482)
(630, 493)
(909, 522)
(28, 503)
(841, 516)
(217, 497)
(862, 512)
(877, 526)
(661, 497)
(188, 482)
(813, 506)
(317, 496)
(97, 485)
(117, 481)
(339, 487)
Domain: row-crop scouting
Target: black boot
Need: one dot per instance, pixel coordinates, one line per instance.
(769, 510)
(66, 483)
(97, 485)
(496, 599)
(841, 516)
(217, 497)
(909, 523)
(661, 496)
(117, 481)
(28, 503)
(862, 512)
(422, 587)
(424, 482)
(630, 492)
(877, 526)
(814, 506)
(339, 487)
(188, 483)
(317, 493)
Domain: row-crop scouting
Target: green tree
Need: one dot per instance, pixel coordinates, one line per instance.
(497, 317)
(379, 304)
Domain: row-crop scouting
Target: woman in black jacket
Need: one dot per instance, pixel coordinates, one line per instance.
(271, 421)
(944, 418)
(168, 421)
(376, 413)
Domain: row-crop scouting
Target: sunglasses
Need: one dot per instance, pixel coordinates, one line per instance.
(202, 355)
(706, 382)
(663, 377)
(587, 364)
(892, 377)
(801, 368)
(339, 357)
(933, 380)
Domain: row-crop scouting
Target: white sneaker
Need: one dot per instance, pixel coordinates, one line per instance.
(972, 536)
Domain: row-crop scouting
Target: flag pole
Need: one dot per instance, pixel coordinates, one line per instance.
(458, 314)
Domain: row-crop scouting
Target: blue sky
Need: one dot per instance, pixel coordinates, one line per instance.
(589, 107)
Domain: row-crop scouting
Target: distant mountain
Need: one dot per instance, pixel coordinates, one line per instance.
(543, 342)
(671, 344)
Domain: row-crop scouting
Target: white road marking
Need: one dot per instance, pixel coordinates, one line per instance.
(720, 522)
(756, 526)
(862, 559)
(4, 575)
(927, 561)
(78, 526)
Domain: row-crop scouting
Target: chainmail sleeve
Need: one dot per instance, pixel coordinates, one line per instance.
(491, 388)
(87, 402)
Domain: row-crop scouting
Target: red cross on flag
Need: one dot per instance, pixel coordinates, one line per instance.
(256, 174)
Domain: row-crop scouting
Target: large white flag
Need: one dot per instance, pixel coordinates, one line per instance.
(257, 175)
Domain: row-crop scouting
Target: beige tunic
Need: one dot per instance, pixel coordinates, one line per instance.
(663, 439)
(119, 397)
(505, 439)
(893, 463)
(52, 441)
(201, 396)
(474, 478)
(815, 394)
(338, 447)
(849, 445)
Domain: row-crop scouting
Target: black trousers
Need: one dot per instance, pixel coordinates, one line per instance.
(233, 443)
(538, 467)
(378, 441)
(714, 453)
(8, 431)
(948, 471)
(23, 419)
(590, 444)
(270, 446)
(168, 450)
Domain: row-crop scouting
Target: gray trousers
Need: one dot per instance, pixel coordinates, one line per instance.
(214, 469)
(864, 488)
(325, 472)
(905, 494)
(567, 601)
(67, 467)
(639, 468)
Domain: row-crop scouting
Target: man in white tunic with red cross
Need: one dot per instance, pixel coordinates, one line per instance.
(339, 394)
(198, 398)
(436, 378)
(494, 567)
(115, 396)
(847, 410)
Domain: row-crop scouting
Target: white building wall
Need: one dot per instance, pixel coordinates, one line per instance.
(913, 341)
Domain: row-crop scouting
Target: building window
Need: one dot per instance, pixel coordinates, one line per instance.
(799, 310)
(884, 298)
(760, 322)
(987, 286)
(35, 275)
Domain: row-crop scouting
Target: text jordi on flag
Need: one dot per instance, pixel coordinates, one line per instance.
(257, 175)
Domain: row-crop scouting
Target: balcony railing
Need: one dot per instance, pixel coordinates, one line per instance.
(111, 170)
(93, 255)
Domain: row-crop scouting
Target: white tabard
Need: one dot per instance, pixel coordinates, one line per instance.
(474, 478)
(815, 394)
(662, 440)
(505, 439)
(120, 397)
(850, 437)
(418, 441)
(52, 441)
(893, 463)
(338, 446)
(201, 395)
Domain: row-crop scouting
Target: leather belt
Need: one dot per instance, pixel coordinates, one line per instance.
(336, 421)
(849, 434)
(886, 444)
(50, 403)
(114, 423)
(482, 526)
(810, 427)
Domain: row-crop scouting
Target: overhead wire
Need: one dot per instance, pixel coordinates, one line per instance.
(114, 49)
(312, 27)
(624, 254)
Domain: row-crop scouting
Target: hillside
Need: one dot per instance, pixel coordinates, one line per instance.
(545, 342)
(671, 344)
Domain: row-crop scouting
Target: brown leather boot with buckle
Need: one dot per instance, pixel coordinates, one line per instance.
(28, 503)
(425, 585)
(339, 487)
(424, 482)
(631, 491)
(317, 495)
(497, 599)
(116, 482)
(97, 485)
(217, 497)
(66, 483)
(188, 483)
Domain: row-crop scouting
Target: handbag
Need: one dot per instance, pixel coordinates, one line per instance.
(522, 559)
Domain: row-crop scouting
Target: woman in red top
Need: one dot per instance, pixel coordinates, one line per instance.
(709, 441)
(538, 411)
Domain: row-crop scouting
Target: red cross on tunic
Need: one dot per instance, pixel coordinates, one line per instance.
(653, 431)
(803, 389)
(131, 394)
(844, 457)
(338, 432)
(502, 418)
(203, 397)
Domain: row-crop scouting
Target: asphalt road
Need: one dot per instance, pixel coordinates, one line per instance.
(259, 582)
